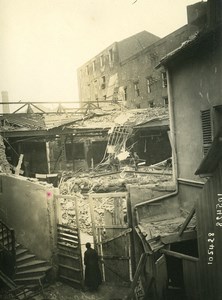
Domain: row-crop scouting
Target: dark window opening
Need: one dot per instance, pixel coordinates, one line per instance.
(103, 85)
(75, 151)
(125, 93)
(151, 104)
(165, 102)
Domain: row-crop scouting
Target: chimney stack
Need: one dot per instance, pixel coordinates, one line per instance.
(214, 12)
(5, 106)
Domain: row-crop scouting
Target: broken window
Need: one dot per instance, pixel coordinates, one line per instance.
(151, 104)
(164, 79)
(125, 93)
(136, 89)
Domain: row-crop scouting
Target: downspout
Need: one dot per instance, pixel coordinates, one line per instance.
(171, 135)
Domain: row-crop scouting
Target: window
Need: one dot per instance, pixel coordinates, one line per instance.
(165, 102)
(101, 59)
(103, 85)
(164, 79)
(206, 129)
(151, 104)
(125, 93)
(87, 70)
(94, 66)
(136, 89)
(111, 56)
(148, 83)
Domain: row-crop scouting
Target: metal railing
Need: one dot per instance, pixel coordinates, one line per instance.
(7, 240)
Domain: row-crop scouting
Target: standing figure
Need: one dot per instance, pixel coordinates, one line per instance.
(93, 276)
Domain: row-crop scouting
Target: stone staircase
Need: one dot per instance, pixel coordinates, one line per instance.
(30, 271)
(31, 274)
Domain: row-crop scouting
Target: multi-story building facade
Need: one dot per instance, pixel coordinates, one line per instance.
(125, 70)
(98, 79)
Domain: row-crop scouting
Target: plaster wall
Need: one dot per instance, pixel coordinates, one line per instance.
(196, 86)
(29, 208)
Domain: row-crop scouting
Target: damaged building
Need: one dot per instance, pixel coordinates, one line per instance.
(125, 71)
(155, 222)
(53, 143)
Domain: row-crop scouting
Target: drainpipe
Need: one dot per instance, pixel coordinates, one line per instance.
(171, 135)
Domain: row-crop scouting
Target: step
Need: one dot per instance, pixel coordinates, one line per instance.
(20, 252)
(70, 279)
(32, 264)
(69, 268)
(30, 280)
(75, 257)
(67, 246)
(67, 230)
(25, 258)
(32, 272)
(68, 236)
(68, 241)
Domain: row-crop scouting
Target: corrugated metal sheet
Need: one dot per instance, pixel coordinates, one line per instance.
(31, 121)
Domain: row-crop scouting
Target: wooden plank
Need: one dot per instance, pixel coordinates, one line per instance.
(140, 266)
(116, 236)
(187, 221)
(179, 255)
(109, 195)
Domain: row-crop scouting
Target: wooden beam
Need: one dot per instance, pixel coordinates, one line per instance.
(116, 236)
(178, 255)
(187, 221)
(139, 269)
(18, 167)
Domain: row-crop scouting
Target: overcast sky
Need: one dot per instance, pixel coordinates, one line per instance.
(43, 42)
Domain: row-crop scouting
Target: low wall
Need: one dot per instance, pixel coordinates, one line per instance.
(29, 208)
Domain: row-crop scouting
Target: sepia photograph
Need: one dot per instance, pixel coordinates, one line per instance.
(111, 149)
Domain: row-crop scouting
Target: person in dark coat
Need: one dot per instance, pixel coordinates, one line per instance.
(93, 276)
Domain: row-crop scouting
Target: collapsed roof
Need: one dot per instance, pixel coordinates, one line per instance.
(95, 119)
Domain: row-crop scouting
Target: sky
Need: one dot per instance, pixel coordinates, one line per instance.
(43, 42)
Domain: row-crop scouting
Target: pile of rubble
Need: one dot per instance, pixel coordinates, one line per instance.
(84, 184)
(4, 164)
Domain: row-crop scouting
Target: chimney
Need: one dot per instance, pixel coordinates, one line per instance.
(197, 14)
(5, 106)
(214, 12)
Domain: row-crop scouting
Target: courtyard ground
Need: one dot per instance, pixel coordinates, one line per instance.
(60, 291)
